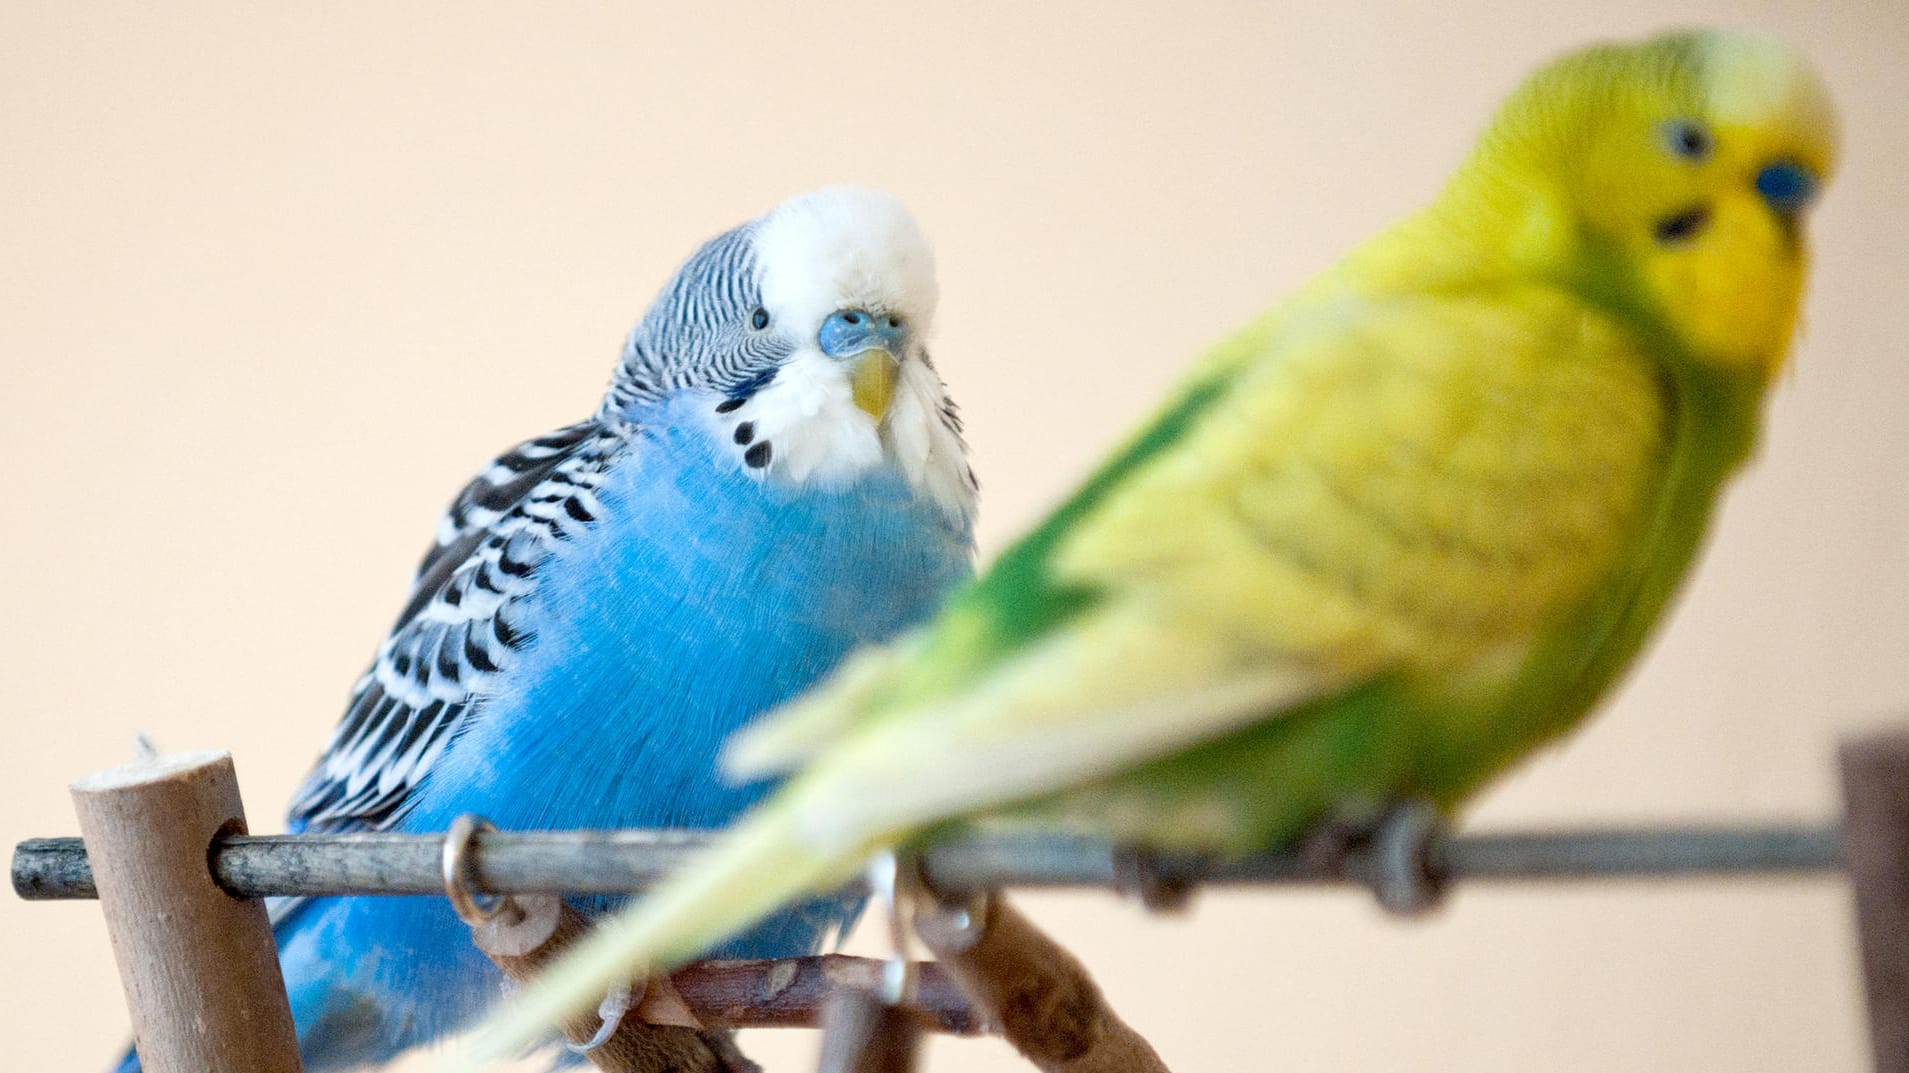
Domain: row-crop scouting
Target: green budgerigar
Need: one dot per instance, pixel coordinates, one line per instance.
(1385, 541)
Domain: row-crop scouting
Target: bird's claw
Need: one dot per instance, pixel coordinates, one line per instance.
(615, 1005)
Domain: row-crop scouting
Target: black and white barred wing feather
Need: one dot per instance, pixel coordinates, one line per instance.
(459, 631)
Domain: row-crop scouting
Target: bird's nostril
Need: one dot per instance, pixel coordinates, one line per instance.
(894, 322)
(851, 318)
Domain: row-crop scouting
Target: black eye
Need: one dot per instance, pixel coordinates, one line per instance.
(1682, 226)
(759, 319)
(1687, 138)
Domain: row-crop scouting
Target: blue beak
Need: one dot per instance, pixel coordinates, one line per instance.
(849, 332)
(1786, 186)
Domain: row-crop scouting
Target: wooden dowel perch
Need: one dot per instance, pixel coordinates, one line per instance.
(794, 992)
(1038, 994)
(201, 974)
(1876, 833)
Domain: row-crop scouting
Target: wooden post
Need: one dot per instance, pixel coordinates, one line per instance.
(199, 968)
(1041, 997)
(1876, 845)
(863, 1034)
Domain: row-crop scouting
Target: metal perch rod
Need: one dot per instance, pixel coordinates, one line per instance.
(592, 862)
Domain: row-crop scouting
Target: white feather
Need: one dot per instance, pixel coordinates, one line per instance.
(808, 415)
(851, 248)
(845, 247)
(924, 444)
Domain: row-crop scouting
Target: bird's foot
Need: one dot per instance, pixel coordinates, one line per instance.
(1396, 856)
(1329, 848)
(1393, 851)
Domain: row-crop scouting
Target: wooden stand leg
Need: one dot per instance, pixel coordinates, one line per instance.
(199, 966)
(1876, 845)
(1039, 994)
(863, 1034)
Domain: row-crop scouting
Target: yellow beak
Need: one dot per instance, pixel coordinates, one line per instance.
(873, 381)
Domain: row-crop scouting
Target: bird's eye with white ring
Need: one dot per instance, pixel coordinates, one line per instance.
(1687, 139)
(759, 318)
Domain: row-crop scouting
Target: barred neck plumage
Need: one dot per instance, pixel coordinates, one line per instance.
(691, 335)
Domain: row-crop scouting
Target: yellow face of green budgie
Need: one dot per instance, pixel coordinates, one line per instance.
(1683, 168)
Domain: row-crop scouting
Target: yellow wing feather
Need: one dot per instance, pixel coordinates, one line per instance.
(1435, 477)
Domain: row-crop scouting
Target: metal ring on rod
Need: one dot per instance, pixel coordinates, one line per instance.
(457, 871)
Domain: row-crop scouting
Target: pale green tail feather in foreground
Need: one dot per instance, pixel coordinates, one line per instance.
(1388, 540)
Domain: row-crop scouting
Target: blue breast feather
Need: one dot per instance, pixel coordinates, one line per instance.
(701, 597)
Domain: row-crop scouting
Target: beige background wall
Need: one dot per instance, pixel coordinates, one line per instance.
(275, 279)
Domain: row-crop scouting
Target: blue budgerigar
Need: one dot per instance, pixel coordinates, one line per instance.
(775, 477)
